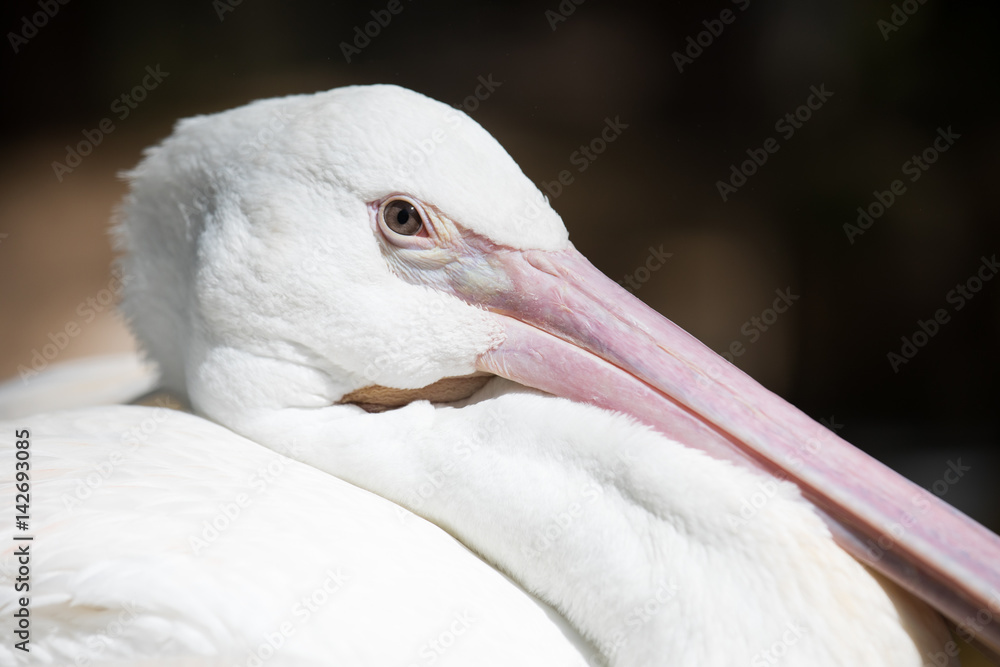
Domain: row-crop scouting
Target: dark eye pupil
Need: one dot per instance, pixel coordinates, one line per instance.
(402, 217)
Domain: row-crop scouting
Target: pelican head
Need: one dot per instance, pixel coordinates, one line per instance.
(263, 233)
(296, 253)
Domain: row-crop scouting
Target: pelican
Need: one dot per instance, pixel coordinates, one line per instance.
(427, 431)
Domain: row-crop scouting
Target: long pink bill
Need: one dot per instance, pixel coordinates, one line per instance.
(573, 332)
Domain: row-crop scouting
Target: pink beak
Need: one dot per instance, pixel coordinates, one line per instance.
(573, 332)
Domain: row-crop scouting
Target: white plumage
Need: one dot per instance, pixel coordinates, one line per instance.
(162, 535)
(260, 278)
(642, 547)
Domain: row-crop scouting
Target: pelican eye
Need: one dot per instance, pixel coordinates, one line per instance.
(402, 217)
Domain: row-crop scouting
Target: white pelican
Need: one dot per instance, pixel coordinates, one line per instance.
(296, 266)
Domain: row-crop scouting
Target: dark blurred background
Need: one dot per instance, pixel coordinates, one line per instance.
(893, 85)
